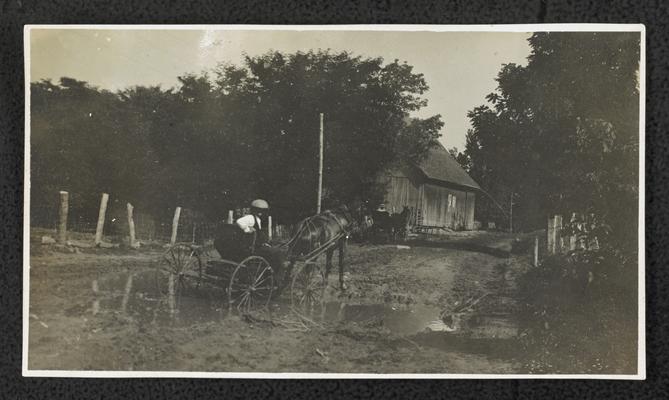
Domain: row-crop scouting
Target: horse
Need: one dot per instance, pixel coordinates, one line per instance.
(400, 223)
(319, 230)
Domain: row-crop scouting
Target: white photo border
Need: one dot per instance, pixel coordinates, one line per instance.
(641, 348)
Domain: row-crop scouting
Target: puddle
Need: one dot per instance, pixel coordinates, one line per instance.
(493, 327)
(402, 321)
(495, 335)
(136, 296)
(423, 319)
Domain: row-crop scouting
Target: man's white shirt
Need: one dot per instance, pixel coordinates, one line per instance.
(247, 222)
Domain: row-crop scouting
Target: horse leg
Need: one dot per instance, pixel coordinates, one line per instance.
(328, 264)
(342, 253)
(287, 274)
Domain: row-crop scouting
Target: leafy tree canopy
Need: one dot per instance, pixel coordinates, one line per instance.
(562, 132)
(232, 134)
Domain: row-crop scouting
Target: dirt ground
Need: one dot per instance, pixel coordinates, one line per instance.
(97, 309)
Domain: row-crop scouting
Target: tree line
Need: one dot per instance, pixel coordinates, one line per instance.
(228, 135)
(561, 134)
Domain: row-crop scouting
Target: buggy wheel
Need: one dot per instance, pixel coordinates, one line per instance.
(251, 285)
(308, 288)
(179, 271)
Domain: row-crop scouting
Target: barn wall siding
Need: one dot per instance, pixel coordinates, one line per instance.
(439, 208)
(401, 192)
(403, 189)
(469, 212)
(440, 204)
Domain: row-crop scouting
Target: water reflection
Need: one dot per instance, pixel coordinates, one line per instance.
(126, 293)
(171, 295)
(96, 300)
(403, 321)
(136, 295)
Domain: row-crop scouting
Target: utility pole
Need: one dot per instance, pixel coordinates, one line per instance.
(320, 167)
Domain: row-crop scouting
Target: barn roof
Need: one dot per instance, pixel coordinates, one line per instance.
(441, 166)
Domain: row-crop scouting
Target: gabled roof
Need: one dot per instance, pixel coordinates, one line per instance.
(441, 166)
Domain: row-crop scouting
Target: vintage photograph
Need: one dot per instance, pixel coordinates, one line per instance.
(333, 201)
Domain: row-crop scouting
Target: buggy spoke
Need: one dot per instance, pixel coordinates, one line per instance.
(263, 272)
(261, 282)
(242, 297)
(308, 286)
(251, 284)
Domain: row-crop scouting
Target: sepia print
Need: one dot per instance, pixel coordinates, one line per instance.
(363, 201)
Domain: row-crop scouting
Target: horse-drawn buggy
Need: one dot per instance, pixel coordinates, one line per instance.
(248, 275)
(390, 227)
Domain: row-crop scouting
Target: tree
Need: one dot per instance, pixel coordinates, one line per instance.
(365, 103)
(84, 142)
(562, 132)
(226, 136)
(460, 157)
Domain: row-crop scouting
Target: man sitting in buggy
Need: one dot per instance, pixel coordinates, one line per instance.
(252, 223)
(247, 237)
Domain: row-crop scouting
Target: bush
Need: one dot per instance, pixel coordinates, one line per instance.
(581, 309)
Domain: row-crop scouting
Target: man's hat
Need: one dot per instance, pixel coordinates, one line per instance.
(260, 203)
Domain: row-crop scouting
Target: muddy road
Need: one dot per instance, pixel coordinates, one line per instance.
(446, 306)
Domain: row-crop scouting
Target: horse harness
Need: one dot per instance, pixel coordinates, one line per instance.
(334, 216)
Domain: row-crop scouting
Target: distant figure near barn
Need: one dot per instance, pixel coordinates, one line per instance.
(390, 226)
(441, 195)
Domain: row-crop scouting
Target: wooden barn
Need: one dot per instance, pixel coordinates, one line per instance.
(439, 192)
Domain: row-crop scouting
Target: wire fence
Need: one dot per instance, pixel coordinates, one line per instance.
(192, 226)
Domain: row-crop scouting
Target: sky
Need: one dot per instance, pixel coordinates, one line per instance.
(459, 67)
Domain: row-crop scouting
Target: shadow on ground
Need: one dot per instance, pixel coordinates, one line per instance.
(465, 246)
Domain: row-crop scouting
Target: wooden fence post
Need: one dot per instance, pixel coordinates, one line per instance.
(572, 242)
(131, 227)
(269, 227)
(550, 236)
(536, 251)
(175, 225)
(572, 238)
(554, 241)
(558, 234)
(230, 217)
(101, 219)
(62, 217)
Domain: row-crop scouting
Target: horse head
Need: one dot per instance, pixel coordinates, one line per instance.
(344, 218)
